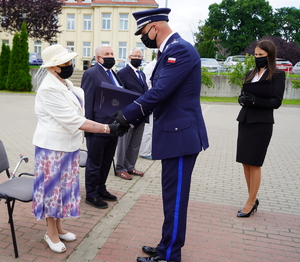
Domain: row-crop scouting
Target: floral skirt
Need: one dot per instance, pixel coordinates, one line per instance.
(56, 191)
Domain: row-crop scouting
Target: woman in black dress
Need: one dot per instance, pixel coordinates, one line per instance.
(262, 92)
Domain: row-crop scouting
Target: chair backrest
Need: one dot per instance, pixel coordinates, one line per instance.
(4, 164)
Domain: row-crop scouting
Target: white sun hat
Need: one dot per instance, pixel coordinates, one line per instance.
(56, 55)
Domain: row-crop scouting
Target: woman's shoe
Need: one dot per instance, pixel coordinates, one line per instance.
(256, 202)
(241, 214)
(68, 237)
(57, 247)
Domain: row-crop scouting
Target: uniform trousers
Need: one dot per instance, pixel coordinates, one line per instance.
(101, 150)
(176, 182)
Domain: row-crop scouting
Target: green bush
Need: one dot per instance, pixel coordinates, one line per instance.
(4, 64)
(19, 77)
(296, 84)
(238, 74)
(206, 78)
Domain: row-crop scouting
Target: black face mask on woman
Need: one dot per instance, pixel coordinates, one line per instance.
(109, 62)
(66, 71)
(262, 61)
(147, 41)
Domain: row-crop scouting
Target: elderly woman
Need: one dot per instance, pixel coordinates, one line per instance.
(59, 107)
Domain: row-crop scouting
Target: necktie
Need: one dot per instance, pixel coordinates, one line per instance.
(140, 77)
(111, 77)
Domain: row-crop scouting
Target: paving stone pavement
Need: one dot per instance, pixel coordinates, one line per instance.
(218, 189)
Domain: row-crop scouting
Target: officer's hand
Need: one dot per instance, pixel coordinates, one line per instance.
(120, 118)
(249, 97)
(117, 129)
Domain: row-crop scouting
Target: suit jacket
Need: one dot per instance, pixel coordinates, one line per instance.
(262, 110)
(60, 114)
(178, 124)
(91, 79)
(130, 80)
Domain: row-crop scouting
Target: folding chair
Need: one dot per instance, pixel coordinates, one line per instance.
(83, 157)
(16, 188)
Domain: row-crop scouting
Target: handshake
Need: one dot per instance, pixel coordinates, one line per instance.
(246, 98)
(120, 126)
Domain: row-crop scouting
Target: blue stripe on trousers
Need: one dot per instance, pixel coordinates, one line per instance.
(177, 206)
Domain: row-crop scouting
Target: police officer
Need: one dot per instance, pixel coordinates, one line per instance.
(179, 130)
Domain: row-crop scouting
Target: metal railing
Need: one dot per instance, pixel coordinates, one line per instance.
(39, 76)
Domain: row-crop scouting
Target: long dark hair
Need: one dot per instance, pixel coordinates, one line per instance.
(270, 48)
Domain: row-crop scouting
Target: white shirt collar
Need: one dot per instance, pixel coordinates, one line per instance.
(162, 46)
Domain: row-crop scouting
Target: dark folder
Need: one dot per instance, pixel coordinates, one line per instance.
(261, 89)
(110, 98)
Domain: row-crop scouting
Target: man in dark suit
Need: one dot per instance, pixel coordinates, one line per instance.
(128, 146)
(179, 130)
(101, 147)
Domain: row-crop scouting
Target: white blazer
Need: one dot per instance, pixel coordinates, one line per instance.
(60, 114)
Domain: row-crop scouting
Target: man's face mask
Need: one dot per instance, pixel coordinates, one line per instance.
(147, 41)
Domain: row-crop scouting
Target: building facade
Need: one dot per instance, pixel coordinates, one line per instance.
(85, 24)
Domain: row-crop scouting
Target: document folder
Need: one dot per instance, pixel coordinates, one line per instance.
(261, 89)
(110, 98)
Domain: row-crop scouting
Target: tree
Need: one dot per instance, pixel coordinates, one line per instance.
(288, 21)
(204, 41)
(40, 16)
(4, 64)
(19, 78)
(240, 22)
(287, 50)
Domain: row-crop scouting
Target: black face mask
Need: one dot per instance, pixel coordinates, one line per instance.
(66, 71)
(109, 62)
(147, 41)
(262, 61)
(136, 62)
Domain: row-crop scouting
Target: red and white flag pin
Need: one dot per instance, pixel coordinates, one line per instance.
(171, 60)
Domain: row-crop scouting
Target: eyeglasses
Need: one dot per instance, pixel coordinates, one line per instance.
(136, 56)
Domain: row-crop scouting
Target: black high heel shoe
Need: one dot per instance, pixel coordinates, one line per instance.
(256, 202)
(254, 209)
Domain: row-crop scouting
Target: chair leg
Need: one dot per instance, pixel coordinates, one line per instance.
(12, 228)
(114, 166)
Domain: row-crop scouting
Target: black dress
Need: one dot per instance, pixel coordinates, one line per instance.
(256, 120)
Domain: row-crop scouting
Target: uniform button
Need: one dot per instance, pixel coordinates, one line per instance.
(176, 128)
(154, 118)
(137, 119)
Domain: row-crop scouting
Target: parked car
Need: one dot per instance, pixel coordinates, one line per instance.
(233, 60)
(120, 65)
(211, 64)
(296, 69)
(35, 59)
(284, 65)
(93, 62)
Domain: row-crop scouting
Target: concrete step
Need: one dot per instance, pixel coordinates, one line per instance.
(76, 77)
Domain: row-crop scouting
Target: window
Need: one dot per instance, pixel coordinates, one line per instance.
(86, 52)
(5, 41)
(53, 43)
(87, 22)
(106, 21)
(122, 50)
(123, 22)
(70, 45)
(141, 46)
(37, 46)
(70, 22)
(105, 43)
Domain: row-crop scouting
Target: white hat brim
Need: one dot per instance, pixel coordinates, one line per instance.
(58, 60)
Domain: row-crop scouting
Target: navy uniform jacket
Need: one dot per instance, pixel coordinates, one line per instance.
(178, 124)
(130, 80)
(92, 79)
(262, 110)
